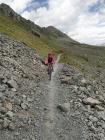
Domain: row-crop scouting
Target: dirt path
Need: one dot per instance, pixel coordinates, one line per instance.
(61, 125)
(50, 117)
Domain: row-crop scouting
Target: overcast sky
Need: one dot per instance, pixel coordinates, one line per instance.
(83, 20)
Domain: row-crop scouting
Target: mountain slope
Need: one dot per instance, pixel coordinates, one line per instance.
(17, 27)
(83, 56)
(48, 35)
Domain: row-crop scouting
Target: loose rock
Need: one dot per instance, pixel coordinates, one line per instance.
(91, 101)
(64, 108)
(10, 114)
(12, 84)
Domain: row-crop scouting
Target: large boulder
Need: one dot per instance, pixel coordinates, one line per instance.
(91, 101)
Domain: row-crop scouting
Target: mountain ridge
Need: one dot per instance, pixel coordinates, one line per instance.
(8, 11)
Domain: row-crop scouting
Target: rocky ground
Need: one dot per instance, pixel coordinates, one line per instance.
(69, 107)
(21, 87)
(78, 107)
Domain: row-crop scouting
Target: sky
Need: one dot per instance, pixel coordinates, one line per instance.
(82, 20)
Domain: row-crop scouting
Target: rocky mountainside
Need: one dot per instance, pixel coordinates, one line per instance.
(8, 11)
(21, 75)
(69, 107)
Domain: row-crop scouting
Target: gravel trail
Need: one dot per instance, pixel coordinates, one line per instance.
(61, 125)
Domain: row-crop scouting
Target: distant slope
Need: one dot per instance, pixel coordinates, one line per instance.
(50, 39)
(56, 34)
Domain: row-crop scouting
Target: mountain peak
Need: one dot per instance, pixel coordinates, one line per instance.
(8, 11)
(51, 28)
(3, 5)
(6, 8)
(54, 30)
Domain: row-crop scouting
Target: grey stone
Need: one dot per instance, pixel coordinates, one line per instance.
(12, 83)
(5, 123)
(89, 88)
(103, 126)
(5, 81)
(1, 95)
(91, 101)
(82, 89)
(24, 96)
(24, 106)
(99, 123)
(64, 107)
(90, 123)
(97, 92)
(17, 134)
(93, 119)
(17, 101)
(10, 114)
(8, 105)
(2, 88)
(92, 128)
(99, 108)
(100, 136)
(3, 110)
(13, 89)
(101, 115)
(29, 99)
(66, 80)
(11, 126)
(83, 82)
(88, 108)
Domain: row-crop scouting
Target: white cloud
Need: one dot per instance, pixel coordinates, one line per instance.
(70, 16)
(17, 5)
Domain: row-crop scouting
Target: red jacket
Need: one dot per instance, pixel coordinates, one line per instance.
(46, 60)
